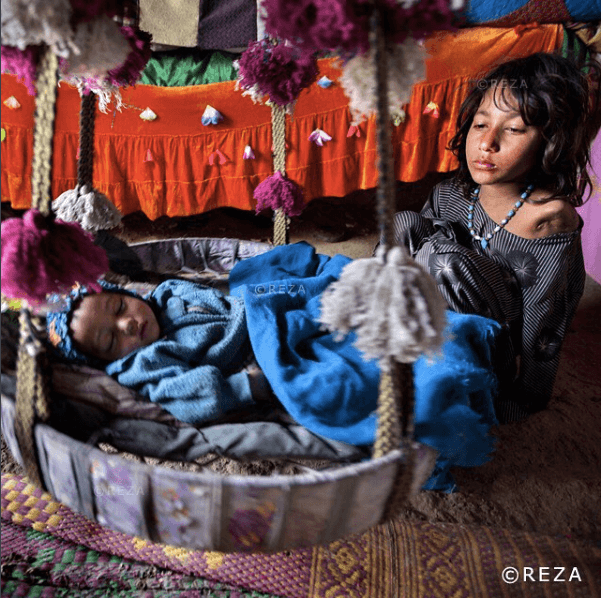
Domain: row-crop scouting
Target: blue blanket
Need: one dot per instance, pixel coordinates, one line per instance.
(327, 385)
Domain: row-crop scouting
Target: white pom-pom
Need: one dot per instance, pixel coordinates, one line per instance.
(406, 66)
(393, 306)
(101, 47)
(34, 22)
(92, 209)
(148, 114)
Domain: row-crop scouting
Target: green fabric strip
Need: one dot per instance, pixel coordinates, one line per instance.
(198, 68)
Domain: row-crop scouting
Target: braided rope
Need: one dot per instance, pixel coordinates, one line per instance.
(86, 160)
(396, 391)
(401, 420)
(281, 220)
(388, 414)
(386, 196)
(41, 197)
(32, 397)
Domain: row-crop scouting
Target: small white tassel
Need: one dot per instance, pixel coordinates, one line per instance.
(393, 305)
(89, 207)
(148, 114)
(12, 103)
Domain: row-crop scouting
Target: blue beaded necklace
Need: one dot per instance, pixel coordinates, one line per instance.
(473, 200)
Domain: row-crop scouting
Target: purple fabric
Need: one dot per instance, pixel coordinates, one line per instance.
(129, 72)
(225, 24)
(343, 25)
(591, 214)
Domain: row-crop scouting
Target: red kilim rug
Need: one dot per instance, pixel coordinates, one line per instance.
(50, 551)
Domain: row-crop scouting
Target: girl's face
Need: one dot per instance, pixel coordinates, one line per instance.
(108, 326)
(500, 147)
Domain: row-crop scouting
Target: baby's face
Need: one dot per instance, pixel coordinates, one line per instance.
(108, 326)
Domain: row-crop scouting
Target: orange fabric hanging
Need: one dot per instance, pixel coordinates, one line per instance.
(195, 168)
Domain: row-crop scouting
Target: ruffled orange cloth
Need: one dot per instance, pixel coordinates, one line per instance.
(176, 166)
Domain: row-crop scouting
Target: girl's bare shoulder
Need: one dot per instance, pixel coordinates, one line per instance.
(552, 216)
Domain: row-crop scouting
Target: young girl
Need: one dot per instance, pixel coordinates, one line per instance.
(502, 239)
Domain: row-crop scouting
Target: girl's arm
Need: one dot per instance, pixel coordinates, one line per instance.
(543, 336)
(548, 311)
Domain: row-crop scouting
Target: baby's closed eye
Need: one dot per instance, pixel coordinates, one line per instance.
(199, 308)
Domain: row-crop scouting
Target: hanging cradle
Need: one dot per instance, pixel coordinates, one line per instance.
(202, 509)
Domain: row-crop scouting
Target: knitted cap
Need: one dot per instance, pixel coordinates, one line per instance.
(57, 323)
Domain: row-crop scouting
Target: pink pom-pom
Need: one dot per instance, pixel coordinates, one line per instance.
(39, 258)
(129, 72)
(279, 192)
(23, 64)
(278, 71)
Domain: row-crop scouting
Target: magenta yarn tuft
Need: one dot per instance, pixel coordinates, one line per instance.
(39, 257)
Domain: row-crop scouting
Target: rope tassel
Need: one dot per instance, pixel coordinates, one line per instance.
(85, 205)
(391, 303)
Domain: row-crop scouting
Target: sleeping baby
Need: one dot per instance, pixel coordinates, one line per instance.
(185, 346)
(200, 354)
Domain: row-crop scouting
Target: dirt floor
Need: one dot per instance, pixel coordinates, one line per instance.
(546, 473)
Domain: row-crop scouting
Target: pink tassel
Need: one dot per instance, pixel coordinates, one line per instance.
(39, 257)
(148, 156)
(432, 109)
(222, 159)
(353, 130)
(279, 192)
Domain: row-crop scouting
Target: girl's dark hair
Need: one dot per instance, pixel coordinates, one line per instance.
(552, 94)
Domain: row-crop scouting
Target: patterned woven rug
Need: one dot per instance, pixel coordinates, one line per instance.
(50, 551)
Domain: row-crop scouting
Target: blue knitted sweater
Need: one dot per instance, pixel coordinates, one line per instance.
(193, 370)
